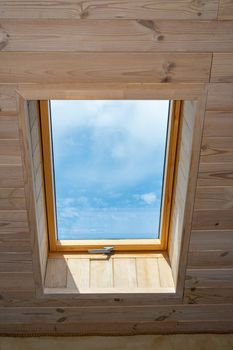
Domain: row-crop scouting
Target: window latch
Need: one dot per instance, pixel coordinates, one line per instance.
(104, 250)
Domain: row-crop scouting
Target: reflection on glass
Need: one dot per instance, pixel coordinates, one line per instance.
(108, 163)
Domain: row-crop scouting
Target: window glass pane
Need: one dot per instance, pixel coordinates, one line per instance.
(108, 164)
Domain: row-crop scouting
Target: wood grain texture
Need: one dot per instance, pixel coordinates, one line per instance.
(211, 240)
(117, 35)
(221, 71)
(8, 127)
(110, 9)
(215, 174)
(225, 9)
(7, 99)
(12, 199)
(220, 97)
(214, 198)
(210, 259)
(103, 67)
(209, 278)
(217, 150)
(212, 219)
(218, 123)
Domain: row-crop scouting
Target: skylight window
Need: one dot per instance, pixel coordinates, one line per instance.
(108, 169)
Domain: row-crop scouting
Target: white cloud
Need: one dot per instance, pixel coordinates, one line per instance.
(149, 198)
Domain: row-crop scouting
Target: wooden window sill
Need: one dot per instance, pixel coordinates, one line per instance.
(120, 273)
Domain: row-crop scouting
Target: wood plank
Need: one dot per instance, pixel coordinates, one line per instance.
(16, 281)
(147, 273)
(208, 295)
(216, 150)
(124, 273)
(219, 174)
(78, 273)
(103, 67)
(212, 219)
(117, 35)
(221, 71)
(210, 259)
(220, 97)
(9, 244)
(113, 91)
(10, 153)
(101, 273)
(11, 176)
(9, 127)
(156, 313)
(214, 198)
(165, 274)
(225, 9)
(19, 266)
(117, 328)
(124, 9)
(56, 274)
(11, 219)
(218, 124)
(209, 278)
(7, 99)
(12, 199)
(212, 240)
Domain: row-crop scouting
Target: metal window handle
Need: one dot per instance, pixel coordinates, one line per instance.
(104, 250)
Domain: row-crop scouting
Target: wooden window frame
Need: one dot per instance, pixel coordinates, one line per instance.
(156, 244)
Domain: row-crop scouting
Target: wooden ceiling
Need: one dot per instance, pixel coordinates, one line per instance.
(171, 43)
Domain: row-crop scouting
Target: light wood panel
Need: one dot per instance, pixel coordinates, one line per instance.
(217, 150)
(8, 127)
(215, 174)
(117, 35)
(214, 198)
(212, 219)
(12, 199)
(219, 123)
(220, 97)
(110, 9)
(211, 259)
(103, 67)
(211, 240)
(225, 9)
(209, 278)
(222, 68)
(7, 99)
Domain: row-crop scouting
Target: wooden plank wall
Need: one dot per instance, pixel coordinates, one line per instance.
(169, 41)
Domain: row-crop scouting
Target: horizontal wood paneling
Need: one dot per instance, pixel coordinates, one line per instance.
(214, 198)
(225, 9)
(209, 278)
(16, 281)
(9, 127)
(211, 240)
(212, 219)
(7, 99)
(218, 123)
(103, 67)
(217, 150)
(220, 97)
(219, 174)
(208, 295)
(10, 153)
(150, 313)
(11, 176)
(211, 259)
(222, 68)
(110, 9)
(117, 35)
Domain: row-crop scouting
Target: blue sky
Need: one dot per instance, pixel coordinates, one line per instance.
(108, 161)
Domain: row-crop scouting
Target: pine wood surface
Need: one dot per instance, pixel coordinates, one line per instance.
(181, 48)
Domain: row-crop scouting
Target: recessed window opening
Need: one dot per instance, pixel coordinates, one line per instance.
(109, 168)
